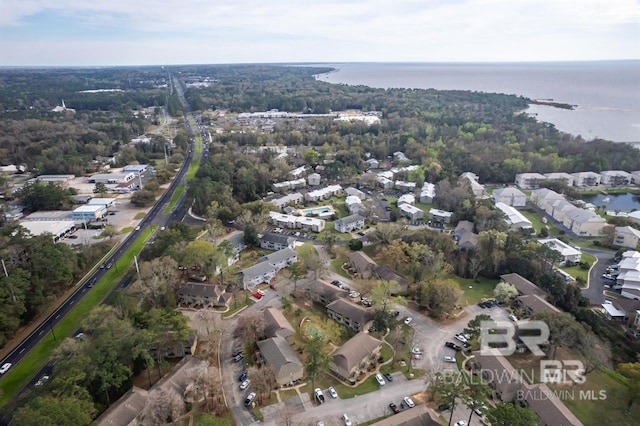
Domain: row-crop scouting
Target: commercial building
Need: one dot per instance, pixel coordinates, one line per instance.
(89, 212)
(57, 229)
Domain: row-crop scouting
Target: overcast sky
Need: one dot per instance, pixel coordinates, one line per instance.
(140, 32)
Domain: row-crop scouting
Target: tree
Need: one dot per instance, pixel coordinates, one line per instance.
(317, 361)
(564, 330)
(383, 297)
(251, 328)
(512, 415)
(448, 388)
(44, 196)
(631, 370)
(47, 410)
(491, 249)
(109, 231)
(158, 280)
(163, 407)
(296, 271)
(505, 292)
(330, 237)
(475, 266)
(395, 253)
(101, 189)
(440, 297)
(313, 262)
(143, 198)
(473, 327)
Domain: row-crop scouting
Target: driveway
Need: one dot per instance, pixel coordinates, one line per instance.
(596, 282)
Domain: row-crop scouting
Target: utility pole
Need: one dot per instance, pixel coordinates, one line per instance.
(6, 274)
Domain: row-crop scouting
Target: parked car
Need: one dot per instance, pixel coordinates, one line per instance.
(460, 338)
(319, 395)
(449, 359)
(336, 283)
(347, 420)
(380, 380)
(461, 423)
(453, 346)
(408, 320)
(332, 392)
(238, 358)
(245, 384)
(388, 377)
(408, 402)
(513, 318)
(416, 351)
(609, 277)
(260, 292)
(242, 377)
(394, 408)
(250, 399)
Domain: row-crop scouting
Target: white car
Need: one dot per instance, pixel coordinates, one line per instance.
(461, 423)
(380, 380)
(461, 338)
(260, 292)
(5, 367)
(332, 392)
(137, 228)
(408, 402)
(416, 351)
(347, 420)
(42, 380)
(408, 320)
(513, 318)
(245, 384)
(449, 359)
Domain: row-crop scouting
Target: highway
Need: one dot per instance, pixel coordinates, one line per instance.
(153, 217)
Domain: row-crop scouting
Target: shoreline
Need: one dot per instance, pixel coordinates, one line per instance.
(555, 104)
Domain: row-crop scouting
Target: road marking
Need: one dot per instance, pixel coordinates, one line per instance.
(57, 316)
(21, 350)
(41, 331)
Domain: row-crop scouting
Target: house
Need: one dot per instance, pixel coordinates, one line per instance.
(440, 216)
(473, 182)
(131, 408)
(89, 212)
(615, 178)
(355, 356)
(420, 415)
(197, 295)
(61, 180)
(621, 309)
(267, 268)
(585, 222)
(533, 304)
(529, 180)
(544, 198)
(276, 325)
(297, 222)
(400, 157)
(523, 285)
(272, 241)
(514, 218)
(287, 200)
(635, 177)
(468, 241)
(405, 186)
(406, 199)
(297, 173)
(387, 273)
(322, 292)
(510, 196)
(499, 374)
(372, 163)
(586, 179)
(314, 179)
(427, 193)
(384, 182)
(310, 224)
(550, 409)
(361, 264)
(63, 109)
(353, 192)
(353, 203)
(355, 317)
(411, 212)
(568, 254)
(566, 178)
(463, 227)
(323, 193)
(349, 223)
(277, 353)
(237, 242)
(626, 236)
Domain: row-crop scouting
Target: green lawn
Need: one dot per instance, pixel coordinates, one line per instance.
(140, 215)
(538, 224)
(126, 230)
(242, 302)
(368, 385)
(576, 271)
(336, 266)
(16, 378)
(287, 394)
(174, 199)
(475, 290)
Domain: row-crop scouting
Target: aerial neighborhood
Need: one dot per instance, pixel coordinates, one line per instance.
(332, 263)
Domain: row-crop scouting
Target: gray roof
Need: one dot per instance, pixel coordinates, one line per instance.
(350, 310)
(328, 291)
(420, 415)
(508, 192)
(349, 219)
(355, 350)
(361, 260)
(278, 256)
(277, 352)
(202, 290)
(275, 324)
(551, 410)
(387, 273)
(464, 226)
(125, 409)
(277, 238)
(523, 285)
(468, 240)
(536, 303)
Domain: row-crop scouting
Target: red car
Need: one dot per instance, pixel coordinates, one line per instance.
(257, 295)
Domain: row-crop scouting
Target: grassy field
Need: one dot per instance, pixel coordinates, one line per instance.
(174, 199)
(475, 290)
(17, 377)
(538, 224)
(140, 215)
(576, 271)
(368, 385)
(336, 266)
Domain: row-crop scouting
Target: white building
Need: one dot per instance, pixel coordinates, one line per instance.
(406, 199)
(89, 212)
(314, 179)
(411, 212)
(635, 177)
(267, 268)
(108, 202)
(405, 186)
(544, 199)
(372, 163)
(349, 223)
(529, 180)
(355, 192)
(568, 253)
(510, 196)
(626, 236)
(297, 222)
(427, 193)
(136, 169)
(57, 229)
(514, 218)
(384, 182)
(111, 178)
(286, 200)
(586, 179)
(615, 178)
(353, 203)
(440, 216)
(563, 177)
(298, 172)
(323, 193)
(289, 184)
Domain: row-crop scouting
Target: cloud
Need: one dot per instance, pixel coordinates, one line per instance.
(380, 30)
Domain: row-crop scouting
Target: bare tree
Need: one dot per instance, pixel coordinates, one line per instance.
(163, 407)
(251, 327)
